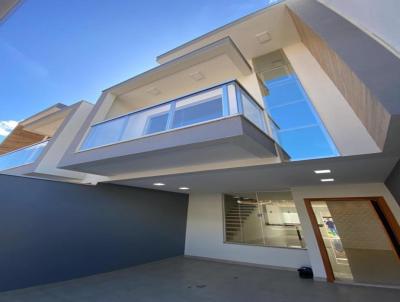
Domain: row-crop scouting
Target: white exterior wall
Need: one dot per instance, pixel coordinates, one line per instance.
(326, 191)
(205, 238)
(205, 232)
(59, 144)
(347, 131)
(250, 83)
(380, 19)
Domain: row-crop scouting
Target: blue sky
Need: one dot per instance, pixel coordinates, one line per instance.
(66, 51)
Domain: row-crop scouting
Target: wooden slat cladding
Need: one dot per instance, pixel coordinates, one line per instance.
(367, 107)
(19, 138)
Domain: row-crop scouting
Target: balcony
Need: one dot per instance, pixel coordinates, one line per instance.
(215, 103)
(21, 157)
(219, 124)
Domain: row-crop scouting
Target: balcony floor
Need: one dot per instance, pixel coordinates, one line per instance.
(183, 279)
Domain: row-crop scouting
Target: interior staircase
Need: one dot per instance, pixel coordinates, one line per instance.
(235, 217)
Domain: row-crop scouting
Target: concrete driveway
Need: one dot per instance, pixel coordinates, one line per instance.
(184, 279)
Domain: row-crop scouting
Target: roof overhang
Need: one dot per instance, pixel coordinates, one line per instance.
(274, 177)
(218, 48)
(6, 7)
(263, 31)
(218, 62)
(47, 121)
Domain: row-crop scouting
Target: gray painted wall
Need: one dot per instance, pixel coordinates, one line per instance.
(54, 231)
(377, 67)
(393, 182)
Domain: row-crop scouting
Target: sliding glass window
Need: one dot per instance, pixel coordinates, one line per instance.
(262, 218)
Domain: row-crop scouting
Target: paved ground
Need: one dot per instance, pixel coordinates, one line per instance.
(182, 279)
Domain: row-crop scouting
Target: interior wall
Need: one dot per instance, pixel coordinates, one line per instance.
(331, 191)
(205, 238)
(55, 231)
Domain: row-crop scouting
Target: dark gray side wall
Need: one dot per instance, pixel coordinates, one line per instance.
(393, 182)
(54, 231)
(376, 66)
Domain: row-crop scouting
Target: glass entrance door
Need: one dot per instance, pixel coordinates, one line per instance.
(358, 241)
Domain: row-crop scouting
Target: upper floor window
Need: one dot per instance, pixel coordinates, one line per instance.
(301, 132)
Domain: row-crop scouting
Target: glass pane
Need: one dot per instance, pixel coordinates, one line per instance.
(305, 142)
(291, 108)
(293, 115)
(285, 91)
(146, 122)
(252, 112)
(242, 224)
(357, 242)
(262, 218)
(22, 156)
(156, 123)
(105, 133)
(197, 111)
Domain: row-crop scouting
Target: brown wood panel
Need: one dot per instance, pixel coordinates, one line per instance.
(367, 107)
(19, 138)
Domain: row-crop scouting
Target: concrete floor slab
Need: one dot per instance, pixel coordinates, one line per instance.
(184, 279)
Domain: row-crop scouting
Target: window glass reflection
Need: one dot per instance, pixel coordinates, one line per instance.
(301, 132)
(262, 218)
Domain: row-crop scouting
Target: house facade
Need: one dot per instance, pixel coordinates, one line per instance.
(282, 127)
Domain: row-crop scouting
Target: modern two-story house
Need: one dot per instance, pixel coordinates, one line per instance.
(282, 127)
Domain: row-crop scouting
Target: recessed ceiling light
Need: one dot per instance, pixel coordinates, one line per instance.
(184, 188)
(153, 91)
(263, 37)
(322, 171)
(327, 179)
(197, 76)
(158, 184)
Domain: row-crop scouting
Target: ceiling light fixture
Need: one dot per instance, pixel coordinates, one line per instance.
(197, 76)
(327, 179)
(263, 37)
(184, 188)
(322, 171)
(153, 91)
(158, 184)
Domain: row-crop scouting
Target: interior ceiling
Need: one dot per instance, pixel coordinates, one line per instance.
(345, 170)
(274, 20)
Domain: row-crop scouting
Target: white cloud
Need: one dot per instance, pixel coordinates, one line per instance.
(6, 127)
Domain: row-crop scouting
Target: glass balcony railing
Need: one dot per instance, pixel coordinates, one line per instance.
(21, 157)
(214, 103)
